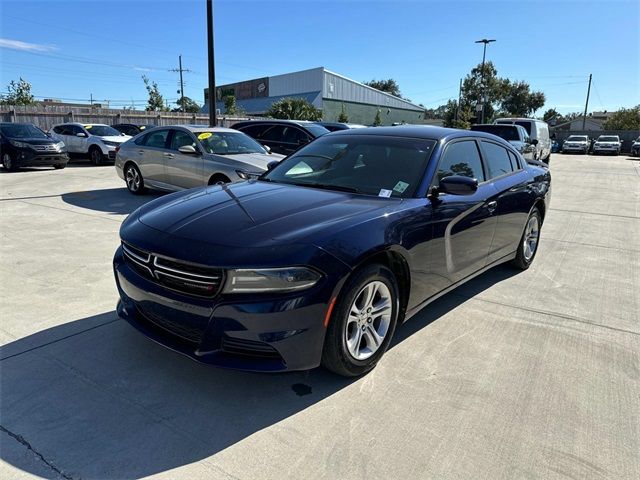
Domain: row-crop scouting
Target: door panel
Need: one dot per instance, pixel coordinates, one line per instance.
(182, 170)
(149, 155)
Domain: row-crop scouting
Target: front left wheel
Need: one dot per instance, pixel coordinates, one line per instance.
(96, 156)
(9, 164)
(363, 322)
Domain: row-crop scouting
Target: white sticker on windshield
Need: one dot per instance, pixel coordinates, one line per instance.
(400, 187)
(384, 193)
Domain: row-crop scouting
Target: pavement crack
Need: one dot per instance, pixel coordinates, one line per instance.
(20, 439)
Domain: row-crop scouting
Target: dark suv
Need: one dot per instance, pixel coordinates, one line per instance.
(281, 136)
(25, 145)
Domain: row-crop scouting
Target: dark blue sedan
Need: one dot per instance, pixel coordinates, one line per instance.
(319, 260)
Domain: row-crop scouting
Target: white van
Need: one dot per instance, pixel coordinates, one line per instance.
(537, 130)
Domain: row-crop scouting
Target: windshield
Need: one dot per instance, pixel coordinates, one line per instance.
(22, 131)
(607, 138)
(102, 130)
(316, 130)
(228, 143)
(508, 132)
(577, 138)
(380, 166)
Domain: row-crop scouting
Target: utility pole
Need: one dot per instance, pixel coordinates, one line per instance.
(91, 99)
(181, 91)
(484, 53)
(212, 68)
(586, 105)
(459, 98)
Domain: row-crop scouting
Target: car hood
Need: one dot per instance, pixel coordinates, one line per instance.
(114, 138)
(255, 161)
(36, 141)
(256, 214)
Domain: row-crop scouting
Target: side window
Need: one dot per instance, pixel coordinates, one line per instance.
(59, 130)
(295, 135)
(526, 126)
(254, 131)
(497, 158)
(274, 134)
(515, 163)
(461, 158)
(74, 130)
(180, 139)
(142, 139)
(156, 139)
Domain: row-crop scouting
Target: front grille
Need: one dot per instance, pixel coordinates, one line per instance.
(45, 148)
(183, 277)
(251, 348)
(186, 332)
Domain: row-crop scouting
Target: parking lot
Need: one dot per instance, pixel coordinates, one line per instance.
(514, 375)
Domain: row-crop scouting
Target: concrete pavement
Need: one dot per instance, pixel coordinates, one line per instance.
(514, 375)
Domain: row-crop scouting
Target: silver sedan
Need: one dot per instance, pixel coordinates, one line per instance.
(178, 157)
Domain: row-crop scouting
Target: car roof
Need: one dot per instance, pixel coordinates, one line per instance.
(200, 128)
(18, 123)
(300, 123)
(496, 125)
(81, 124)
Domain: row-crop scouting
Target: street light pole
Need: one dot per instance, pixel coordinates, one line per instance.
(484, 54)
(212, 68)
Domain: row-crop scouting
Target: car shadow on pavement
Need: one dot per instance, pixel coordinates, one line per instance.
(95, 399)
(109, 200)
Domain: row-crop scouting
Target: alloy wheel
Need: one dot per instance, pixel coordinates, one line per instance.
(7, 162)
(369, 320)
(531, 236)
(132, 177)
(96, 156)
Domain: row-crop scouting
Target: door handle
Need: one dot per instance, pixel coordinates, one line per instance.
(491, 206)
(168, 155)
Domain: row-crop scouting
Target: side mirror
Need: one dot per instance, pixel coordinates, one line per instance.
(188, 149)
(458, 185)
(272, 165)
(81, 134)
(267, 148)
(534, 141)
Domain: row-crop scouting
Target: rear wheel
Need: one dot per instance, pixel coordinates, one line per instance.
(9, 164)
(529, 241)
(133, 179)
(362, 323)
(219, 179)
(59, 166)
(96, 156)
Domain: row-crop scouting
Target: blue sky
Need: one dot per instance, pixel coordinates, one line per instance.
(72, 49)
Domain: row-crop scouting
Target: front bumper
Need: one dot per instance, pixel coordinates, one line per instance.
(598, 149)
(30, 158)
(266, 333)
(575, 148)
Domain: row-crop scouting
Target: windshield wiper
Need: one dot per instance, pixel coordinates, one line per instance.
(326, 186)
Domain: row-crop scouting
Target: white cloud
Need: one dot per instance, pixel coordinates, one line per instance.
(25, 46)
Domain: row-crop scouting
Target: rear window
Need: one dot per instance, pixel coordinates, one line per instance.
(508, 132)
(526, 126)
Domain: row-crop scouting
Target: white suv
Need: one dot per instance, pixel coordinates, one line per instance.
(98, 141)
(607, 144)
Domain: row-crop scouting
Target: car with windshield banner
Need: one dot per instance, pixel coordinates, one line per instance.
(177, 157)
(98, 141)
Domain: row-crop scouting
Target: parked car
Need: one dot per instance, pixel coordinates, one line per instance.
(318, 260)
(335, 126)
(555, 146)
(607, 144)
(25, 145)
(515, 135)
(537, 130)
(635, 148)
(132, 129)
(576, 143)
(282, 136)
(98, 141)
(178, 157)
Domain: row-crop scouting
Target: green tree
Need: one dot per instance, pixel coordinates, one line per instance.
(624, 119)
(377, 121)
(294, 109)
(230, 107)
(519, 100)
(189, 105)
(463, 118)
(474, 89)
(551, 114)
(155, 102)
(343, 117)
(18, 93)
(389, 86)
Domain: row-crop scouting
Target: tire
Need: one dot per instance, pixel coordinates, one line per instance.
(96, 156)
(8, 162)
(133, 179)
(60, 166)
(354, 343)
(548, 159)
(219, 179)
(526, 250)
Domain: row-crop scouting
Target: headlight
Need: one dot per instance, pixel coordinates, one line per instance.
(243, 174)
(286, 279)
(60, 145)
(112, 144)
(18, 144)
